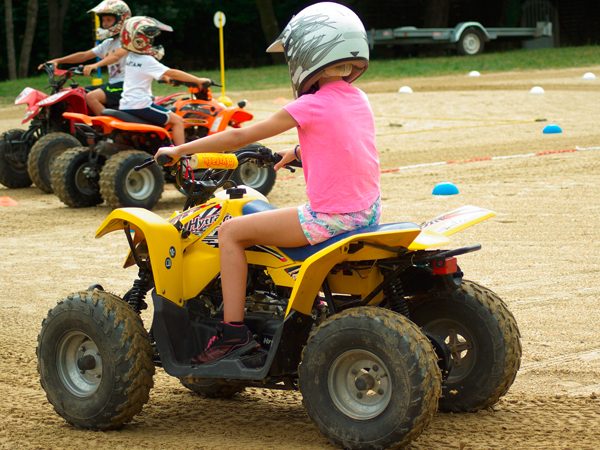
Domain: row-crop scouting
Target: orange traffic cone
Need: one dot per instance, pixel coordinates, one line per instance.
(280, 100)
(7, 201)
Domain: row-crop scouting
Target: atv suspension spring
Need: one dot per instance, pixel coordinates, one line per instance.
(135, 296)
(394, 293)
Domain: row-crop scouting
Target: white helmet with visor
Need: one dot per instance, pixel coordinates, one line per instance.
(320, 36)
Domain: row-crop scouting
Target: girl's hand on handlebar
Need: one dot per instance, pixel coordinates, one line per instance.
(287, 156)
(167, 151)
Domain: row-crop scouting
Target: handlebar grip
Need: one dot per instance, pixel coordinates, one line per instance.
(294, 163)
(163, 159)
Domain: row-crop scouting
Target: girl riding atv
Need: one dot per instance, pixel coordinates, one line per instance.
(112, 14)
(326, 49)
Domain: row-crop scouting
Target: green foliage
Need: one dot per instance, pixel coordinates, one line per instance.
(270, 77)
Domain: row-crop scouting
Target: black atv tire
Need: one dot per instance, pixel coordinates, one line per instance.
(74, 178)
(42, 156)
(211, 388)
(95, 360)
(369, 379)
(260, 178)
(121, 186)
(13, 175)
(488, 346)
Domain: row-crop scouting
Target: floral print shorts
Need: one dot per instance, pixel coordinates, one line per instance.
(319, 227)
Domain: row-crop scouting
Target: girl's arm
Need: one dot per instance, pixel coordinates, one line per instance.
(110, 59)
(233, 139)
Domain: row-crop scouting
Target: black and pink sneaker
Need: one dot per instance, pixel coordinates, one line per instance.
(231, 340)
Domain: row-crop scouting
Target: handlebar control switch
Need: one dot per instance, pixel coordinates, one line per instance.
(236, 193)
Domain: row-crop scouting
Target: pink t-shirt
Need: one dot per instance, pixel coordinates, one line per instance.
(336, 131)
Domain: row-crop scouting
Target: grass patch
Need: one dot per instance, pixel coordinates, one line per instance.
(277, 76)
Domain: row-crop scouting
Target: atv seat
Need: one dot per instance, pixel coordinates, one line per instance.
(304, 252)
(125, 117)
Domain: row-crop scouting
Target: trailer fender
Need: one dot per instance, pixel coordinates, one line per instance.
(461, 27)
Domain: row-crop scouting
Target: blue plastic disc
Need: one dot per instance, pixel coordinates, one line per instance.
(445, 188)
(549, 129)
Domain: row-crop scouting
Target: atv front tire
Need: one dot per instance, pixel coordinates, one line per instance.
(483, 339)
(369, 379)
(42, 156)
(95, 360)
(74, 177)
(13, 172)
(210, 388)
(121, 185)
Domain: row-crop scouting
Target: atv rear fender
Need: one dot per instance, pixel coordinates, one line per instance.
(109, 123)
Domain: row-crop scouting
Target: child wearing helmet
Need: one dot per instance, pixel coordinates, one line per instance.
(112, 14)
(326, 49)
(141, 67)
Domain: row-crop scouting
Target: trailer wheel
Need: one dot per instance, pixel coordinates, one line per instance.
(471, 42)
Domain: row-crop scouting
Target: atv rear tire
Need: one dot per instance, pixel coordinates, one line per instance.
(74, 177)
(121, 185)
(483, 339)
(13, 174)
(369, 379)
(211, 388)
(260, 178)
(95, 360)
(42, 156)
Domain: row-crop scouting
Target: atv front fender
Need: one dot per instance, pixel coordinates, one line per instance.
(165, 247)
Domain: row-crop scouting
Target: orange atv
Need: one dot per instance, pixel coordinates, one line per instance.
(117, 142)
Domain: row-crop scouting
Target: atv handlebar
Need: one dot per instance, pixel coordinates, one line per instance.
(201, 190)
(204, 86)
(64, 75)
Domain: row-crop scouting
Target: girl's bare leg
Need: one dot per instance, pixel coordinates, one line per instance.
(279, 227)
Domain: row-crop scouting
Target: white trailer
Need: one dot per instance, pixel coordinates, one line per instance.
(468, 37)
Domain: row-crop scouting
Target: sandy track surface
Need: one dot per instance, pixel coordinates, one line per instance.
(540, 254)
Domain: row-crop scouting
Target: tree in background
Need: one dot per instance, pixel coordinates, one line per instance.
(270, 27)
(57, 11)
(437, 13)
(10, 39)
(27, 43)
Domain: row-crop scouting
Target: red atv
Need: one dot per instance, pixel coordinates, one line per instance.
(117, 142)
(25, 155)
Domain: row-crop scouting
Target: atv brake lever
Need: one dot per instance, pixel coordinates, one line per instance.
(145, 164)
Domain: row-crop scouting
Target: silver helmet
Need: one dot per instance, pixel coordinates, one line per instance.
(320, 36)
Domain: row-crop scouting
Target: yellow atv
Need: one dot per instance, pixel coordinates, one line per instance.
(376, 327)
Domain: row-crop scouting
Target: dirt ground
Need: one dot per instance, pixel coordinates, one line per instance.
(540, 254)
